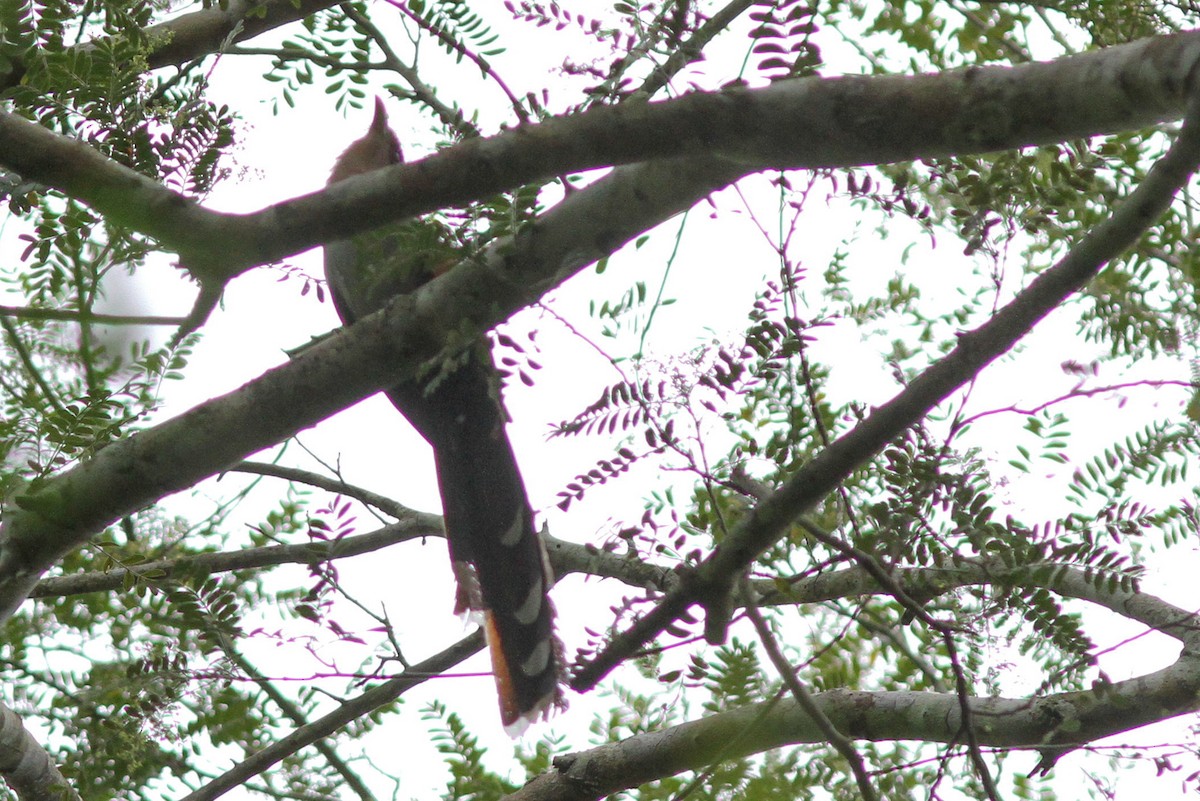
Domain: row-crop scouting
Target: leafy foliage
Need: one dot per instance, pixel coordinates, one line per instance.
(144, 687)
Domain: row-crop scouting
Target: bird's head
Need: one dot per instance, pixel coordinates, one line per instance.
(378, 149)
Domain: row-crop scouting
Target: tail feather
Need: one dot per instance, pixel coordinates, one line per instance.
(497, 554)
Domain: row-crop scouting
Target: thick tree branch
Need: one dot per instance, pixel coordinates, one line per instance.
(26, 767)
(768, 520)
(801, 123)
(62, 512)
(568, 557)
(565, 558)
(1062, 720)
(1065, 580)
(713, 139)
(207, 31)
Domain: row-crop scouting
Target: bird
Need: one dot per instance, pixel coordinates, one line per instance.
(496, 553)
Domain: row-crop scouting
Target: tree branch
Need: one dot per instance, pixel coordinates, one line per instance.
(804, 699)
(306, 553)
(203, 32)
(351, 779)
(345, 714)
(1064, 720)
(63, 512)
(712, 580)
(340, 487)
(78, 316)
(792, 124)
(26, 767)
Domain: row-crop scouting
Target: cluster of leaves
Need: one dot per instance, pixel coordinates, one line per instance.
(67, 392)
(328, 41)
(126, 681)
(130, 684)
(500, 215)
(785, 39)
(1051, 193)
(620, 407)
(555, 16)
(99, 93)
(66, 398)
(457, 27)
(636, 39)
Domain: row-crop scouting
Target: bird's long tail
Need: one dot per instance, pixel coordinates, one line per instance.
(498, 557)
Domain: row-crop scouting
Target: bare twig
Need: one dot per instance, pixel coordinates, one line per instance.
(247, 559)
(69, 315)
(206, 302)
(691, 50)
(1078, 392)
(293, 53)
(340, 487)
(804, 698)
(421, 91)
(484, 66)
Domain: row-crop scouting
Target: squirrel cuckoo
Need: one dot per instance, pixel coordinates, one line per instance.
(497, 556)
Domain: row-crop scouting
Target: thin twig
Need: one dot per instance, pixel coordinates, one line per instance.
(479, 61)
(206, 301)
(338, 487)
(305, 553)
(692, 49)
(1074, 393)
(35, 375)
(294, 53)
(804, 698)
(364, 704)
(452, 117)
(297, 716)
